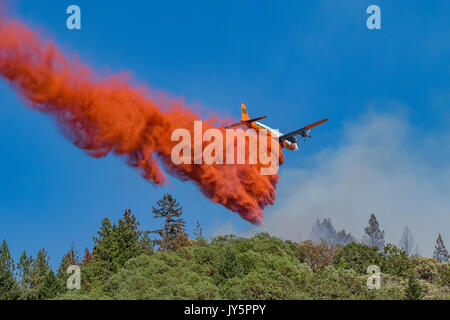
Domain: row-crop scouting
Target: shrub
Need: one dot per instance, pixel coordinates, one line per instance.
(395, 261)
(358, 257)
(414, 290)
(426, 269)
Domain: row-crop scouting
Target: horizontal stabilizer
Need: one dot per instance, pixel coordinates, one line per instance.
(255, 119)
(315, 124)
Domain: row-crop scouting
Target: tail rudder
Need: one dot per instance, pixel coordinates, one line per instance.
(244, 113)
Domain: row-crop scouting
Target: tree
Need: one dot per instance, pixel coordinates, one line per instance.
(227, 266)
(407, 241)
(24, 267)
(317, 256)
(395, 261)
(87, 258)
(358, 257)
(414, 290)
(39, 271)
(172, 234)
(373, 237)
(50, 287)
(325, 231)
(106, 248)
(128, 235)
(440, 252)
(198, 232)
(131, 237)
(9, 288)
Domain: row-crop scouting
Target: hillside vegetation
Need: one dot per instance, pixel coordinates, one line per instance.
(128, 263)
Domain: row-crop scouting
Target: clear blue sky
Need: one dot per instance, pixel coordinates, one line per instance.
(294, 61)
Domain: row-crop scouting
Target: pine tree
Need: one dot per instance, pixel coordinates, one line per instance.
(146, 243)
(128, 237)
(325, 232)
(24, 267)
(87, 258)
(440, 252)
(116, 244)
(39, 271)
(172, 235)
(9, 288)
(50, 287)
(373, 237)
(106, 248)
(414, 290)
(407, 241)
(198, 232)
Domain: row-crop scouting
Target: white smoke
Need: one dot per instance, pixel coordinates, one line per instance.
(382, 165)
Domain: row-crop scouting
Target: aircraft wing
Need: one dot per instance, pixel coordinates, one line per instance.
(301, 132)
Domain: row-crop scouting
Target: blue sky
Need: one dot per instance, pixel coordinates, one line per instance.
(296, 62)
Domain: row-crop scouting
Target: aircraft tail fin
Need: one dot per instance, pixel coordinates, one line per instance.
(245, 119)
(244, 113)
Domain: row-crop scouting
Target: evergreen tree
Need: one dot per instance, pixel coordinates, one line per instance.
(87, 258)
(116, 244)
(198, 232)
(128, 235)
(146, 243)
(172, 235)
(440, 252)
(50, 287)
(414, 290)
(325, 232)
(9, 288)
(106, 248)
(344, 238)
(373, 237)
(39, 271)
(25, 267)
(407, 241)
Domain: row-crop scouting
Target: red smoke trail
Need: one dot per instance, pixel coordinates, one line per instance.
(108, 115)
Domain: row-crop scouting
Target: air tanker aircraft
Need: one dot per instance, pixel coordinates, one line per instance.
(288, 141)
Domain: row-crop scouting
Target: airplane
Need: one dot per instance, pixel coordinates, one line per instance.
(288, 141)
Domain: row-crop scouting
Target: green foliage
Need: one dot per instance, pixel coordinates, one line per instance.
(358, 257)
(39, 271)
(317, 256)
(25, 267)
(227, 265)
(123, 265)
(9, 288)
(50, 287)
(414, 290)
(426, 269)
(395, 261)
(115, 245)
(337, 283)
(172, 234)
(374, 237)
(444, 274)
(440, 252)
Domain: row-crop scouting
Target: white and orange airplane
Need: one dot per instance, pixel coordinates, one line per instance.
(288, 141)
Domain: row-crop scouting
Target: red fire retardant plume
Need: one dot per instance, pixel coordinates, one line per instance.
(103, 115)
